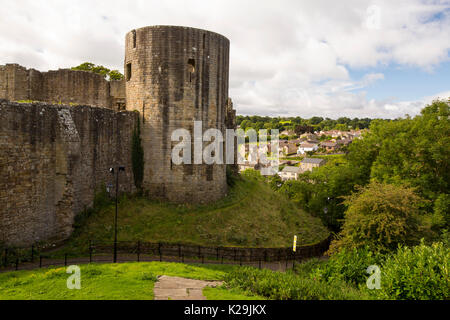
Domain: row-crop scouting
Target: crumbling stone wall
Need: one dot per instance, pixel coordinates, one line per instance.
(53, 159)
(175, 75)
(63, 86)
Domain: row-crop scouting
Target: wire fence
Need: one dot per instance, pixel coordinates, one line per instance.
(142, 251)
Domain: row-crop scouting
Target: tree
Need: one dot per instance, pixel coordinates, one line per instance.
(115, 75)
(380, 216)
(105, 72)
(408, 151)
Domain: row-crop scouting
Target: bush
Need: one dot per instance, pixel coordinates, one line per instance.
(288, 286)
(380, 216)
(348, 265)
(418, 273)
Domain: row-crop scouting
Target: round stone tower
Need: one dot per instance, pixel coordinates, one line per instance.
(175, 76)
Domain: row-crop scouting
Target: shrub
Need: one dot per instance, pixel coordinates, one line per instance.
(288, 286)
(421, 272)
(380, 216)
(348, 265)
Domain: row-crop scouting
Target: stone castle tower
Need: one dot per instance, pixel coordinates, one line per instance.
(173, 77)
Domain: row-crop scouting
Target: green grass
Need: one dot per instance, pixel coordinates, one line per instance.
(224, 293)
(251, 215)
(123, 281)
(135, 281)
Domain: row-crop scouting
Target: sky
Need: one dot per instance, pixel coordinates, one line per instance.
(352, 58)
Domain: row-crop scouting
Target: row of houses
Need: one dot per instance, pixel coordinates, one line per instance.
(289, 172)
(307, 164)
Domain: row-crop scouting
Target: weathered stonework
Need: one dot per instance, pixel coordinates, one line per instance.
(175, 75)
(53, 159)
(63, 86)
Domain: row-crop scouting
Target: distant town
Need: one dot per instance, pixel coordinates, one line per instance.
(304, 144)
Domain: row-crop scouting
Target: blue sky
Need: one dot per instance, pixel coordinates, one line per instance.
(355, 58)
(404, 82)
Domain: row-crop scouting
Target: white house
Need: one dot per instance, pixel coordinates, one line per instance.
(307, 146)
(289, 173)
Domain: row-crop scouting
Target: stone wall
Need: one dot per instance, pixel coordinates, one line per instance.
(175, 75)
(53, 159)
(63, 86)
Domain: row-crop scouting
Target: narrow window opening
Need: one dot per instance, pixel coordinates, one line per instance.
(204, 40)
(143, 112)
(128, 71)
(191, 68)
(134, 38)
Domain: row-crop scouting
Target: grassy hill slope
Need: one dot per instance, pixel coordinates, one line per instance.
(251, 215)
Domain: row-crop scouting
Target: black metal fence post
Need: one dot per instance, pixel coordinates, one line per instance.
(222, 259)
(17, 264)
(159, 251)
(199, 251)
(235, 254)
(40, 261)
(182, 258)
(259, 264)
(65, 259)
(217, 253)
(32, 253)
(5, 259)
(203, 259)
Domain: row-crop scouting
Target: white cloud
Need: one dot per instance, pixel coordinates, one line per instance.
(287, 57)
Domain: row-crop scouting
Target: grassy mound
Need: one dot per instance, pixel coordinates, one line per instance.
(252, 215)
(128, 281)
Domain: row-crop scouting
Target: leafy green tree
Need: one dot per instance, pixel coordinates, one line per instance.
(380, 216)
(408, 151)
(105, 72)
(115, 75)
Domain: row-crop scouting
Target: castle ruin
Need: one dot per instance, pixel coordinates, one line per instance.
(55, 153)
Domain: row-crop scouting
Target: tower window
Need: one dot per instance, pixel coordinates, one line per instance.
(204, 40)
(191, 68)
(128, 75)
(134, 38)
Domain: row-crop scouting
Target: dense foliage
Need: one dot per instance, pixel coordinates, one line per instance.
(404, 153)
(288, 286)
(421, 272)
(300, 125)
(348, 265)
(320, 191)
(380, 216)
(105, 72)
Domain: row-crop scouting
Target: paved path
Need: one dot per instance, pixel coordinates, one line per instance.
(176, 288)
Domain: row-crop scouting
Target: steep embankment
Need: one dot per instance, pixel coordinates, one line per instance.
(251, 215)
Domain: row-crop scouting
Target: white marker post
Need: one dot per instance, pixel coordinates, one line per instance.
(295, 244)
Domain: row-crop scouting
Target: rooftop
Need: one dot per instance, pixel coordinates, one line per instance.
(313, 160)
(291, 169)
